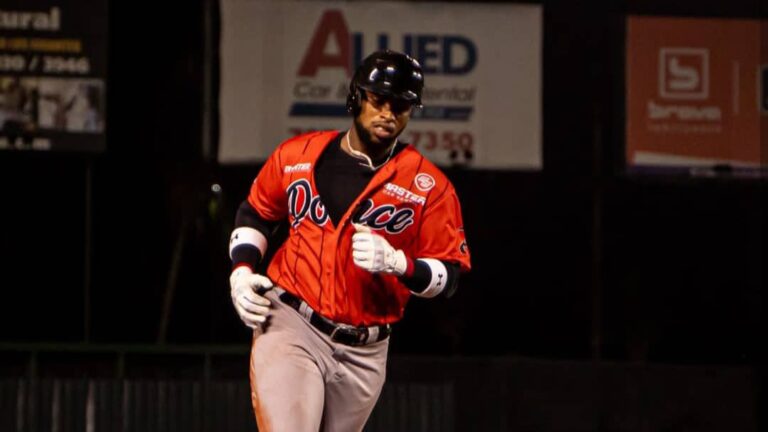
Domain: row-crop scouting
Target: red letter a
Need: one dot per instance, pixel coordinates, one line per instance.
(331, 25)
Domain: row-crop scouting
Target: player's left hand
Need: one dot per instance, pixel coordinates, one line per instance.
(373, 252)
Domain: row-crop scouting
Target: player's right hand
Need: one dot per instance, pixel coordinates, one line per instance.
(373, 252)
(252, 307)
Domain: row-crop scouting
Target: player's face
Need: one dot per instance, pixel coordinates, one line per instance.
(382, 119)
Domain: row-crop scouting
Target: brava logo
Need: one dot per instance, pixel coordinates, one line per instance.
(438, 54)
(683, 75)
(303, 203)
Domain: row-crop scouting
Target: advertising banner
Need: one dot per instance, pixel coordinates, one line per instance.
(52, 70)
(694, 93)
(286, 66)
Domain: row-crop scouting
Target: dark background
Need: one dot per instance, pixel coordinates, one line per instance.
(580, 260)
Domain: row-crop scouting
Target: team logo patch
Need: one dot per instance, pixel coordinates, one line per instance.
(463, 247)
(424, 182)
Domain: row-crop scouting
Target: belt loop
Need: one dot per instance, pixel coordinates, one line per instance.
(373, 334)
(306, 311)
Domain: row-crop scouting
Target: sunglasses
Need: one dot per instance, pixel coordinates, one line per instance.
(396, 105)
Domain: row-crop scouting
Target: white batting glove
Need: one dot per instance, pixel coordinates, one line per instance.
(373, 252)
(253, 308)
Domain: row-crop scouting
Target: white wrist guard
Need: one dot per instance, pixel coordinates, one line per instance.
(439, 278)
(247, 236)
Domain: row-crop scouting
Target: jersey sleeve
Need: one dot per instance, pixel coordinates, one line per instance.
(267, 195)
(441, 235)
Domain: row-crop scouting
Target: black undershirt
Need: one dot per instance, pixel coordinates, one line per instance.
(340, 178)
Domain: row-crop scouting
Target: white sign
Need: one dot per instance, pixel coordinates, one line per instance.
(286, 67)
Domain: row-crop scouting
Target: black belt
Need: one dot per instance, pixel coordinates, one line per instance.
(342, 333)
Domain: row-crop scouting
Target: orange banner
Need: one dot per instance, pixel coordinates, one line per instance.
(694, 92)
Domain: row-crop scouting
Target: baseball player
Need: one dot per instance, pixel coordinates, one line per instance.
(371, 222)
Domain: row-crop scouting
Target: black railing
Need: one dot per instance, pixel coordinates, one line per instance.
(205, 388)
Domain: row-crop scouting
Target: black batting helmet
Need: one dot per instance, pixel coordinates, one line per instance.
(387, 73)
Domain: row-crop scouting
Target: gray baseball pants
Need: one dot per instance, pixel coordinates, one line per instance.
(301, 380)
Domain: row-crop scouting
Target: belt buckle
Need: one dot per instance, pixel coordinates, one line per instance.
(348, 330)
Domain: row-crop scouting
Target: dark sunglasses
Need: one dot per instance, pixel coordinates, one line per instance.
(396, 105)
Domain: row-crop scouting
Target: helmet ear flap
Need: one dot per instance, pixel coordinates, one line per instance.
(353, 100)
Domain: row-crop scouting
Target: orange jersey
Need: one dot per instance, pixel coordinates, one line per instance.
(409, 202)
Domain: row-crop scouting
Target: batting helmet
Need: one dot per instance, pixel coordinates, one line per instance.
(387, 73)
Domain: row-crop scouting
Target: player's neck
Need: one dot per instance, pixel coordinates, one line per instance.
(373, 163)
(357, 144)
